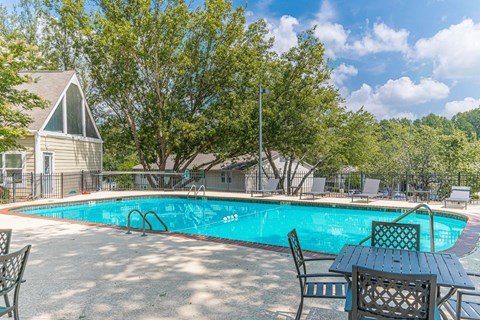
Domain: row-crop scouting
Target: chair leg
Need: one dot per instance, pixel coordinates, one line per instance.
(7, 304)
(299, 311)
(15, 313)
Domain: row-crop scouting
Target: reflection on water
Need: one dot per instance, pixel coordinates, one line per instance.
(319, 229)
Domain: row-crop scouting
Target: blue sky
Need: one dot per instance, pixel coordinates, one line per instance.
(397, 58)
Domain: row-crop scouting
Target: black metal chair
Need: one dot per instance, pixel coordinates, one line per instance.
(12, 267)
(5, 236)
(383, 295)
(462, 309)
(314, 289)
(395, 235)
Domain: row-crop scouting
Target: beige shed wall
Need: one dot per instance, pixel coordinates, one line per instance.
(72, 154)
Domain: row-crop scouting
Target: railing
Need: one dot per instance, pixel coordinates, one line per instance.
(144, 220)
(158, 218)
(196, 191)
(193, 187)
(430, 214)
(200, 188)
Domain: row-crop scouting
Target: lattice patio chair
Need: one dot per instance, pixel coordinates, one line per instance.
(327, 287)
(12, 267)
(395, 235)
(5, 236)
(383, 295)
(460, 308)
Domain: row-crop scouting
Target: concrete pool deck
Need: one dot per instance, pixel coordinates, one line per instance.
(79, 271)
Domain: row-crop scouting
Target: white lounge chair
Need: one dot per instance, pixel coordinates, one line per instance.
(318, 188)
(459, 195)
(271, 187)
(370, 189)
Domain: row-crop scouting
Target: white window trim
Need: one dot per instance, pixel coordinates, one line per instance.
(53, 161)
(226, 177)
(3, 169)
(86, 112)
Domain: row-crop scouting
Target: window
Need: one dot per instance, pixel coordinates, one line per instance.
(74, 111)
(12, 164)
(56, 121)
(89, 126)
(226, 177)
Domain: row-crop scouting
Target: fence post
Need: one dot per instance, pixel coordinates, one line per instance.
(41, 185)
(459, 179)
(61, 184)
(82, 182)
(32, 185)
(14, 190)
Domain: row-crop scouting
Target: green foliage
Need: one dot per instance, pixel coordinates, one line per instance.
(4, 195)
(468, 122)
(15, 55)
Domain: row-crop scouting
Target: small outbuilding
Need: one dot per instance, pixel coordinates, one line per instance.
(63, 138)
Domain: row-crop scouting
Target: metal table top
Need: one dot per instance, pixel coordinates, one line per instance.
(447, 267)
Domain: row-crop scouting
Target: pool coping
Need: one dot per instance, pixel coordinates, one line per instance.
(465, 244)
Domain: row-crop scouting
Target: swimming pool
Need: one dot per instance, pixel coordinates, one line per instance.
(323, 229)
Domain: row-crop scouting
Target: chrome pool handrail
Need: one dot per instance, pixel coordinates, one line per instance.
(430, 214)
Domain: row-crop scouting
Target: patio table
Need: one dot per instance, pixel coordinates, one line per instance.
(450, 272)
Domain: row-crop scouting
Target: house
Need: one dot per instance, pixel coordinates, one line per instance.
(239, 174)
(63, 137)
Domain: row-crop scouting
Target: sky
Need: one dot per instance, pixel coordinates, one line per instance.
(396, 58)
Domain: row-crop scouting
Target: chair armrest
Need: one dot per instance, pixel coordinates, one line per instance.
(319, 275)
(319, 259)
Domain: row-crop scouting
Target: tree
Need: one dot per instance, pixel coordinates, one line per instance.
(15, 56)
(468, 122)
(173, 77)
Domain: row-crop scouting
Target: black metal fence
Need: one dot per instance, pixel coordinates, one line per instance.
(394, 185)
(25, 187)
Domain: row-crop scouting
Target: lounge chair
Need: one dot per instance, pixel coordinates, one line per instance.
(270, 188)
(370, 189)
(318, 188)
(459, 195)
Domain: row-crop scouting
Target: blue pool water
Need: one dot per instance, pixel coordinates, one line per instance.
(322, 229)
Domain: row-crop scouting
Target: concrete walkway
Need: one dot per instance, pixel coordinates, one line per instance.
(83, 272)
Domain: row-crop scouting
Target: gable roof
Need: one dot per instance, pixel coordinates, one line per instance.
(48, 85)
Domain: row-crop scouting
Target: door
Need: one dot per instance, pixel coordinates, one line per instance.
(47, 174)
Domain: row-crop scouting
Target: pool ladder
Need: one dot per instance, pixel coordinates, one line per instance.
(430, 214)
(194, 188)
(144, 220)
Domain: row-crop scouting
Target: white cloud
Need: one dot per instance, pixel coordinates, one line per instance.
(454, 51)
(382, 39)
(454, 107)
(384, 101)
(336, 38)
(406, 115)
(404, 91)
(333, 36)
(342, 73)
(284, 33)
